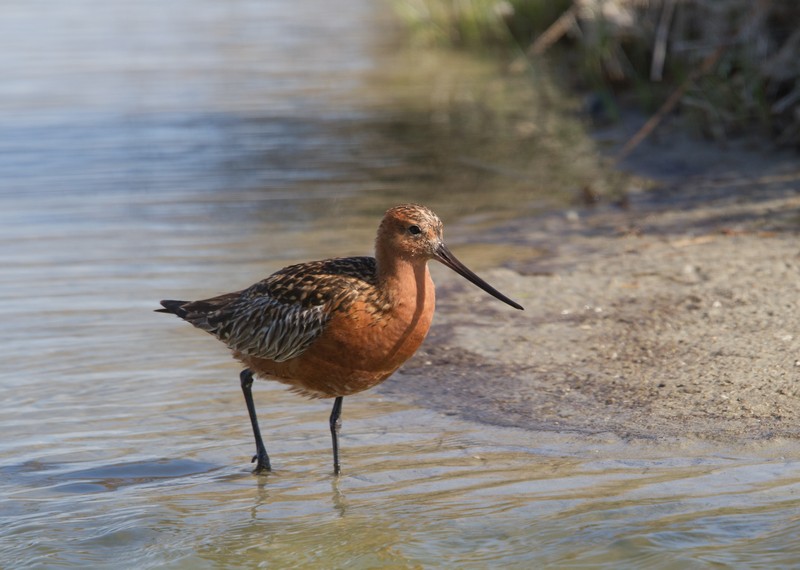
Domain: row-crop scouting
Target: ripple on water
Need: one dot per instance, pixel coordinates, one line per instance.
(125, 441)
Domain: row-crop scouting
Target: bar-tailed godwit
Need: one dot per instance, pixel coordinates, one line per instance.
(335, 327)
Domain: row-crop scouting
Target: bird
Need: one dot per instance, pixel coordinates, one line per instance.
(335, 327)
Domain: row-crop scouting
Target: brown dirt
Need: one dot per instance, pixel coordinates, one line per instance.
(676, 316)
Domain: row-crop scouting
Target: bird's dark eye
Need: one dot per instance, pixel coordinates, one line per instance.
(414, 230)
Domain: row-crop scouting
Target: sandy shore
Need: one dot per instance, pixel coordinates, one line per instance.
(675, 316)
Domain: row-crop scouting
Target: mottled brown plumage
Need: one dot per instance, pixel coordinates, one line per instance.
(335, 327)
(278, 318)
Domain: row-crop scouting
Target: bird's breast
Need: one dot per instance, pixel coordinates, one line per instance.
(362, 344)
(378, 342)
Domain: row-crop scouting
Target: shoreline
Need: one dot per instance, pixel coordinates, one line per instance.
(674, 317)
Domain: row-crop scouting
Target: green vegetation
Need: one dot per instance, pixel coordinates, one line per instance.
(479, 23)
(735, 64)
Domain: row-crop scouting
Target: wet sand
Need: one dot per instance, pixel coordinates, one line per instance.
(674, 316)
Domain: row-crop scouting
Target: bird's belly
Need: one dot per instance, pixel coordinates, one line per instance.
(356, 351)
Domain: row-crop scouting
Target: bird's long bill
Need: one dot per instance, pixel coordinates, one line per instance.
(444, 256)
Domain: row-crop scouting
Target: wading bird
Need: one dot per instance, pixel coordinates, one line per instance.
(335, 327)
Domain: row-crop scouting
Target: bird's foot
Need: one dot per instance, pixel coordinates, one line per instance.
(262, 463)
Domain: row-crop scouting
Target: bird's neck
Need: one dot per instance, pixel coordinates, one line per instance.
(402, 278)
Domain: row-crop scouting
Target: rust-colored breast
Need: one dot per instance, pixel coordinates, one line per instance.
(362, 344)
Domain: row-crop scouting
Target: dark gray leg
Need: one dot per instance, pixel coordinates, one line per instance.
(336, 424)
(261, 459)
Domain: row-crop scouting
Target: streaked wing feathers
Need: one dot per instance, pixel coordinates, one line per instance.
(266, 328)
(278, 318)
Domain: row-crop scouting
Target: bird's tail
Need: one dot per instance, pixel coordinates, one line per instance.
(174, 308)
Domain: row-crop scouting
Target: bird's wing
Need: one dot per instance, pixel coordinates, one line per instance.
(280, 317)
(264, 327)
(257, 322)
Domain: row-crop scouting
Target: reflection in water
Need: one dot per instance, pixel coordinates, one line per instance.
(339, 501)
(151, 148)
(444, 490)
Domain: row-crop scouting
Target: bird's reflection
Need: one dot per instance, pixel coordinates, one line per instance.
(339, 498)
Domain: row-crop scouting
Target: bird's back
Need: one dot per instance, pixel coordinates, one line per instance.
(279, 317)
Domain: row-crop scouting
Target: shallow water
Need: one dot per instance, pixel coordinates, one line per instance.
(152, 151)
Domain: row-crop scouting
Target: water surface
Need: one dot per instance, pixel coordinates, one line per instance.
(156, 150)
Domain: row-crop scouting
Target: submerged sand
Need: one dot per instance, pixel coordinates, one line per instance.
(675, 315)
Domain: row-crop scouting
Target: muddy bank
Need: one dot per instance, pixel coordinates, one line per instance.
(675, 316)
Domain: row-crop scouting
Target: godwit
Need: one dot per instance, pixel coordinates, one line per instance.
(335, 327)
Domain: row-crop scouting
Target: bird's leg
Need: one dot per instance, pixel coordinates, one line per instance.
(261, 459)
(336, 424)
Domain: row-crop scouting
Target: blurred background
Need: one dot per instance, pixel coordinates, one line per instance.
(154, 150)
(735, 61)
